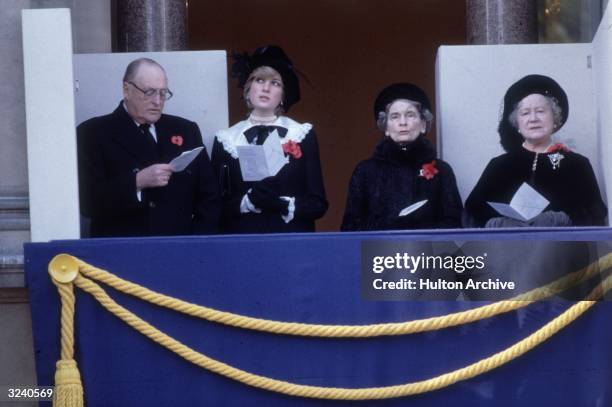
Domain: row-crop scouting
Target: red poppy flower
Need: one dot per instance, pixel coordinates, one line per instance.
(428, 170)
(292, 148)
(558, 147)
(177, 139)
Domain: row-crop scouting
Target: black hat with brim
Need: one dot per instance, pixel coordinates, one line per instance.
(274, 57)
(531, 84)
(397, 91)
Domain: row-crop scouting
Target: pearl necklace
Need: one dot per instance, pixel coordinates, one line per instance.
(537, 153)
(535, 163)
(262, 119)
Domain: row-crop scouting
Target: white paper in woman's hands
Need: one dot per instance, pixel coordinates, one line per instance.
(259, 162)
(409, 209)
(526, 204)
(182, 161)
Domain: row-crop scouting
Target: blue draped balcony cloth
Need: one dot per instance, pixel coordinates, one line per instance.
(310, 278)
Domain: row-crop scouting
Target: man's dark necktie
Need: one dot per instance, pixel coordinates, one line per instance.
(146, 131)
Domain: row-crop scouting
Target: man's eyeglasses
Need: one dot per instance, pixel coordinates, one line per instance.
(164, 94)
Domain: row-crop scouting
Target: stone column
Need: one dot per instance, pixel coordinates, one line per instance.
(502, 21)
(151, 25)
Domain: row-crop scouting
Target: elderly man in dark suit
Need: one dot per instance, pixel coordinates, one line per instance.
(127, 187)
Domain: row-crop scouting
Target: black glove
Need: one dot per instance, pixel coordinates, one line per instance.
(265, 195)
(505, 222)
(551, 218)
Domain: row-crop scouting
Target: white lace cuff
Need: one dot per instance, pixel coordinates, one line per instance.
(290, 209)
(247, 206)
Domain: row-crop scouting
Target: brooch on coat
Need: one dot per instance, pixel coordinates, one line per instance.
(428, 170)
(555, 154)
(293, 149)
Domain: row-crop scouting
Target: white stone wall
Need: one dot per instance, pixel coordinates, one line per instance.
(52, 164)
(13, 164)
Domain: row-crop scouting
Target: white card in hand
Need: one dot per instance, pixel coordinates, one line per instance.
(182, 161)
(275, 156)
(259, 162)
(526, 204)
(409, 209)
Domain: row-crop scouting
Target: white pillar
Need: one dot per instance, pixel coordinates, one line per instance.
(50, 124)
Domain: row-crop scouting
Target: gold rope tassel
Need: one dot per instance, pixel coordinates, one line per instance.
(68, 387)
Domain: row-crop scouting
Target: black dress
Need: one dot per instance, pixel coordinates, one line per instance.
(570, 186)
(300, 179)
(397, 177)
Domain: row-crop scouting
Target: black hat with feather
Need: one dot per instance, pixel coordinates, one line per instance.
(274, 57)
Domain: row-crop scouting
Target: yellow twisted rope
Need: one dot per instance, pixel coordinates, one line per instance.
(67, 317)
(69, 390)
(318, 392)
(345, 331)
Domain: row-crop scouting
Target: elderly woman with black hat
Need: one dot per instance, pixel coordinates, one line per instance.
(403, 185)
(294, 198)
(535, 107)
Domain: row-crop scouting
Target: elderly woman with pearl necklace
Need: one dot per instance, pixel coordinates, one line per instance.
(536, 107)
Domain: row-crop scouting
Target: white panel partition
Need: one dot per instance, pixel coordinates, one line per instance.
(470, 85)
(602, 77)
(50, 124)
(198, 80)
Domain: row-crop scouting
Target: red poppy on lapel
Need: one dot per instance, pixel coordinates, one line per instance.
(177, 139)
(429, 170)
(292, 148)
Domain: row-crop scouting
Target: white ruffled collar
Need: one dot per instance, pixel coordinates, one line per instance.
(234, 136)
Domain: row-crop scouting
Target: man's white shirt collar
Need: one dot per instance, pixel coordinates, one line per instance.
(151, 126)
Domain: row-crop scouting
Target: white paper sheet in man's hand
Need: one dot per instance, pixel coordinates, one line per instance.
(259, 162)
(526, 204)
(409, 209)
(182, 161)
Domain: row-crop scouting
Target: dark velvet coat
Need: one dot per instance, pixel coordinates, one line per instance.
(571, 188)
(391, 180)
(300, 178)
(111, 149)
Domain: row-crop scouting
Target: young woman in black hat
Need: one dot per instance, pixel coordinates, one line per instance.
(535, 107)
(294, 198)
(403, 171)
